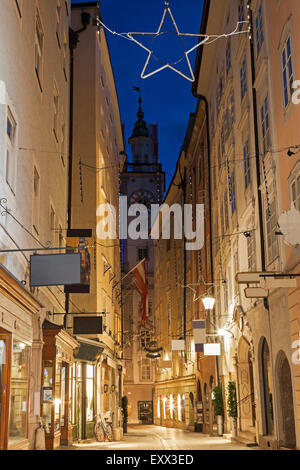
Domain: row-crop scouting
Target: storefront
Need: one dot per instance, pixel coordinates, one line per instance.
(18, 312)
(57, 396)
(174, 403)
(85, 377)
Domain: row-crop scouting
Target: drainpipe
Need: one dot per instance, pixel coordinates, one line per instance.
(73, 41)
(256, 139)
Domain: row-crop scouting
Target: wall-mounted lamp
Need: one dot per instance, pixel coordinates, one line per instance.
(208, 302)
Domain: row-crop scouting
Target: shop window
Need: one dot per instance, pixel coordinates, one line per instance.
(47, 395)
(63, 395)
(183, 408)
(172, 407)
(89, 392)
(179, 407)
(19, 392)
(57, 401)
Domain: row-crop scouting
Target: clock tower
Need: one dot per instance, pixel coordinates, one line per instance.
(142, 183)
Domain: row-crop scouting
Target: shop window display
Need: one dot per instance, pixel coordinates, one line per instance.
(19, 392)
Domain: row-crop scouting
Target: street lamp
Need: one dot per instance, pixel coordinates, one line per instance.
(208, 302)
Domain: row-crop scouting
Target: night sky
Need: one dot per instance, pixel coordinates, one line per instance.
(167, 97)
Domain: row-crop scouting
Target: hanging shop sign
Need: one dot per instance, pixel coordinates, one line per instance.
(212, 349)
(55, 270)
(178, 345)
(87, 325)
(81, 238)
(199, 334)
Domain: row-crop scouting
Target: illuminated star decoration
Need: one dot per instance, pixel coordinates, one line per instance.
(206, 38)
(171, 66)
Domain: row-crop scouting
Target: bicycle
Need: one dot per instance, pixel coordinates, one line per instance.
(103, 427)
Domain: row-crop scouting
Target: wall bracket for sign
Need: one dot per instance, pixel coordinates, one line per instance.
(65, 248)
(79, 313)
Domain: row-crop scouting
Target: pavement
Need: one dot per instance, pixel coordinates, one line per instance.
(150, 437)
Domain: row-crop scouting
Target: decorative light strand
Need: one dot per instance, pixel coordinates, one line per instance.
(203, 39)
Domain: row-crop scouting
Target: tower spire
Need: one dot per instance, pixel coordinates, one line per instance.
(140, 128)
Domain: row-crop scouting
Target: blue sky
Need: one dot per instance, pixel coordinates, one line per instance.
(167, 97)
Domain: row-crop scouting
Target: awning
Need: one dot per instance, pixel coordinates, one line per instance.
(88, 352)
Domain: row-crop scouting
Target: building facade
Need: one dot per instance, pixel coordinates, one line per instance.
(142, 183)
(237, 81)
(283, 35)
(98, 151)
(34, 89)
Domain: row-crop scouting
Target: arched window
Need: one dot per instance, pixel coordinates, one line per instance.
(267, 388)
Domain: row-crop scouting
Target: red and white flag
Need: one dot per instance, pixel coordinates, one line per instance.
(140, 283)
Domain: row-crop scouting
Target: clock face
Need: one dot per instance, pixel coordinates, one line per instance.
(142, 196)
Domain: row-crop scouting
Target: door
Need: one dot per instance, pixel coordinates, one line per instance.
(5, 344)
(145, 411)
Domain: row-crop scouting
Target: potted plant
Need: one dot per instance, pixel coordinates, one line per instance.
(232, 406)
(219, 408)
(125, 413)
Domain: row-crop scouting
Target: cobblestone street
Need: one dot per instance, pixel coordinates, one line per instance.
(160, 438)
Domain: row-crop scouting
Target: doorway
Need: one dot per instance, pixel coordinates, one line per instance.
(5, 353)
(286, 408)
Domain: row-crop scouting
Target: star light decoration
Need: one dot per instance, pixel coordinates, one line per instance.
(207, 38)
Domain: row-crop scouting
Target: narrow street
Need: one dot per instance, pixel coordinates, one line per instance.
(147, 437)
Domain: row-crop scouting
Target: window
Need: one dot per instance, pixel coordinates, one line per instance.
(265, 125)
(55, 112)
(58, 13)
(52, 225)
(39, 48)
(259, 33)
(222, 220)
(226, 220)
(287, 71)
(10, 150)
(65, 52)
(231, 109)
(145, 370)
(104, 308)
(225, 292)
(232, 192)
(295, 191)
(19, 4)
(18, 419)
(243, 79)
(228, 57)
(251, 252)
(36, 200)
(142, 253)
(247, 171)
(63, 142)
(241, 12)
(272, 245)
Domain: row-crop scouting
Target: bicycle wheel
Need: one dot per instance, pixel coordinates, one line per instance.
(109, 432)
(99, 433)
